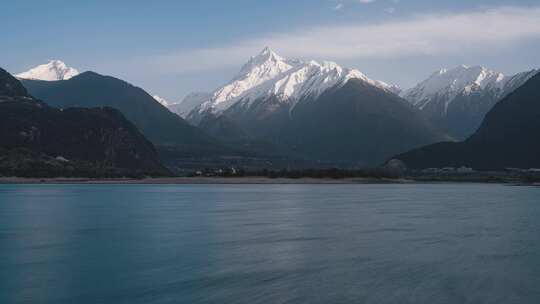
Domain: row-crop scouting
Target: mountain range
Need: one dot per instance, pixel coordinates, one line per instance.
(456, 100)
(39, 140)
(319, 111)
(508, 137)
(292, 109)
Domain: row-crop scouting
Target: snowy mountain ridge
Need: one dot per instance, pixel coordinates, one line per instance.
(290, 80)
(457, 100)
(446, 84)
(51, 71)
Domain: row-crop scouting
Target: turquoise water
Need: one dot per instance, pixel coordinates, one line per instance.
(440, 243)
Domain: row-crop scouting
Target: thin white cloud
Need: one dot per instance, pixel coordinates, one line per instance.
(434, 34)
(366, 1)
(390, 10)
(338, 7)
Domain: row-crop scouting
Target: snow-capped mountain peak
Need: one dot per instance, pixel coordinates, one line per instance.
(290, 80)
(51, 71)
(458, 99)
(267, 63)
(448, 83)
(265, 66)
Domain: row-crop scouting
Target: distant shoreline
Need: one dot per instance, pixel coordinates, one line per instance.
(202, 180)
(254, 180)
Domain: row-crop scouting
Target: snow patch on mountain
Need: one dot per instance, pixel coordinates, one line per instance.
(51, 71)
(290, 80)
(161, 100)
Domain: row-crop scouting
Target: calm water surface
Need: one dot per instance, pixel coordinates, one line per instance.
(133, 244)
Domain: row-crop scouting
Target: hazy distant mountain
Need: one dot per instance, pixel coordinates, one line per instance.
(317, 110)
(90, 89)
(457, 100)
(190, 102)
(38, 140)
(508, 137)
(53, 70)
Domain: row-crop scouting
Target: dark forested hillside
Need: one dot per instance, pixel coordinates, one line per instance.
(39, 140)
(156, 122)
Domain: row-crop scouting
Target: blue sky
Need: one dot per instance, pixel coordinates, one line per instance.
(171, 48)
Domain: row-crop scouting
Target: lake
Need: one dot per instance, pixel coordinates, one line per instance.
(417, 243)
